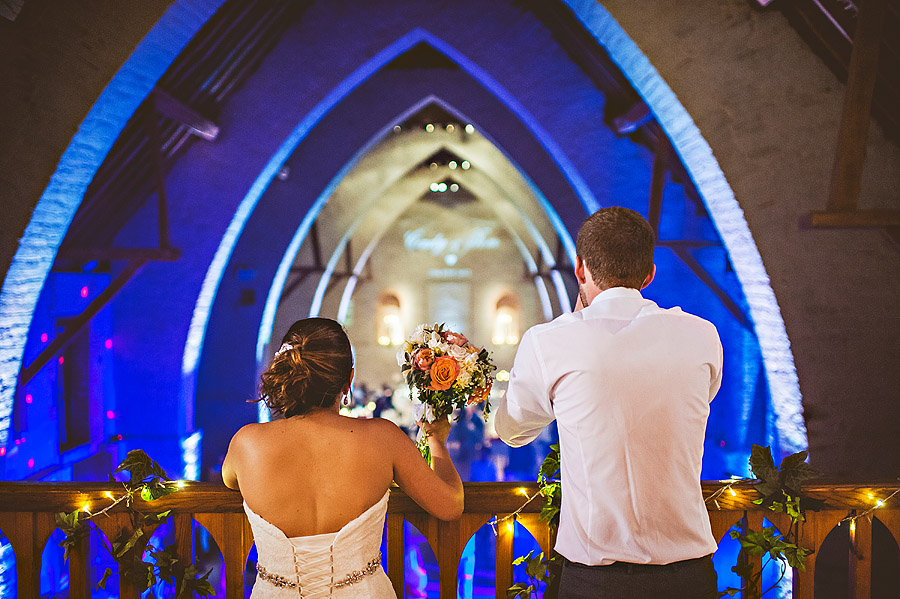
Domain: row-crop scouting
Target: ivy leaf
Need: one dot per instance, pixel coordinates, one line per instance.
(521, 560)
(764, 470)
(535, 568)
(135, 536)
(795, 470)
(520, 589)
(165, 562)
(102, 584)
(155, 518)
(191, 584)
(154, 490)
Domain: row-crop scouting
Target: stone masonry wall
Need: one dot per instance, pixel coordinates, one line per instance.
(769, 109)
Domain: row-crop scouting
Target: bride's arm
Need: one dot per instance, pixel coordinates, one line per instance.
(439, 490)
(229, 474)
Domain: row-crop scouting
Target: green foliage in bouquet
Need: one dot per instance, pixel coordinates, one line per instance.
(148, 481)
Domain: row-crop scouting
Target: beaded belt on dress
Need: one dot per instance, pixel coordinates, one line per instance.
(349, 579)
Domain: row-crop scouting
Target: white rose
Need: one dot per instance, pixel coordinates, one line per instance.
(457, 352)
(434, 340)
(401, 357)
(418, 336)
(464, 378)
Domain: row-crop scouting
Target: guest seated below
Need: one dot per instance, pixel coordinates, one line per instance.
(316, 484)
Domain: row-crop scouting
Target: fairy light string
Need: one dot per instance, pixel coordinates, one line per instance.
(127, 497)
(879, 503)
(510, 518)
(727, 487)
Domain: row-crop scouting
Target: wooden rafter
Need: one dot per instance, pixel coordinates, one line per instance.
(74, 326)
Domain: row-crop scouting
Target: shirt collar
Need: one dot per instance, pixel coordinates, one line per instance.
(617, 292)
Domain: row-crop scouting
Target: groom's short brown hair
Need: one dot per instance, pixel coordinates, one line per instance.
(616, 246)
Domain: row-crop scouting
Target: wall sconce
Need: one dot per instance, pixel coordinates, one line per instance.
(389, 323)
(506, 321)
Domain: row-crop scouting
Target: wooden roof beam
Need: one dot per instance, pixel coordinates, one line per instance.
(175, 109)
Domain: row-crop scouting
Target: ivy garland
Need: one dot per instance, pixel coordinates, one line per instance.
(149, 481)
(779, 489)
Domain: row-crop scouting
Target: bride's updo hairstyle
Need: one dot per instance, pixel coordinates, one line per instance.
(310, 370)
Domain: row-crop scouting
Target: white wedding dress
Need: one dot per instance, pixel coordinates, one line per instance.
(341, 564)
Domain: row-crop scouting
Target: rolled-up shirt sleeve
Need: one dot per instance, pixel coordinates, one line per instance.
(525, 409)
(716, 370)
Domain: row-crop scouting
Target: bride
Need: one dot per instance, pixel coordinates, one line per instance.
(315, 484)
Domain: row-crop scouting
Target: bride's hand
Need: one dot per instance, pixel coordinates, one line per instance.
(438, 429)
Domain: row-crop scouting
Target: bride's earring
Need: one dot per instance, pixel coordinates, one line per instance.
(345, 400)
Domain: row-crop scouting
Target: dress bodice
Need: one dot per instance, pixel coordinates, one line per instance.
(340, 564)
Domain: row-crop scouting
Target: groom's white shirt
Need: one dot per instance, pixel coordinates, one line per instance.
(629, 384)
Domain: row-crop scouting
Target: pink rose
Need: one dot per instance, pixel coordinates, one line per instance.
(455, 338)
(423, 358)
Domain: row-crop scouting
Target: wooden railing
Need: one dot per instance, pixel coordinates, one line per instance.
(27, 519)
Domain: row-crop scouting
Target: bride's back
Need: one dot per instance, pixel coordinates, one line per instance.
(313, 471)
(313, 474)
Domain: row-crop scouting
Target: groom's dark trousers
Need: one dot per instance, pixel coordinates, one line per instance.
(689, 579)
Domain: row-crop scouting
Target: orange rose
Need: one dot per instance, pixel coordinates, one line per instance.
(444, 371)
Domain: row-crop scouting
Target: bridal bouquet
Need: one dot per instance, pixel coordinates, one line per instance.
(446, 371)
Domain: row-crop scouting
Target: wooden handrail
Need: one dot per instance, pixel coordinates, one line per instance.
(27, 519)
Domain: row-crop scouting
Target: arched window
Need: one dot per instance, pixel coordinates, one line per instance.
(506, 321)
(389, 323)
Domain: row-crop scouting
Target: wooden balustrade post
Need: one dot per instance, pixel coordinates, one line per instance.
(21, 530)
(448, 554)
(183, 526)
(80, 569)
(233, 553)
(504, 556)
(754, 521)
(396, 553)
(860, 557)
(812, 535)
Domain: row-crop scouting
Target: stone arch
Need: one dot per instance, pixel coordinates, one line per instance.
(584, 11)
(62, 196)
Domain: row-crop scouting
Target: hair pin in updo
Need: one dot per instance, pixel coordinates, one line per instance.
(284, 347)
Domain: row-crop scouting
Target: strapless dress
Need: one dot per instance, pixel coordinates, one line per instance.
(341, 564)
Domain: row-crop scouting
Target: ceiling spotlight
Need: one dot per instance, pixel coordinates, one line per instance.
(470, 129)
(450, 128)
(452, 164)
(433, 165)
(454, 187)
(429, 127)
(442, 187)
(465, 165)
(284, 172)
(434, 187)
(397, 129)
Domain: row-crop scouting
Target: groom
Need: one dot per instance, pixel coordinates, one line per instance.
(629, 384)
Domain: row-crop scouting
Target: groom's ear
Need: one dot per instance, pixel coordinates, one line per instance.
(649, 278)
(579, 270)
